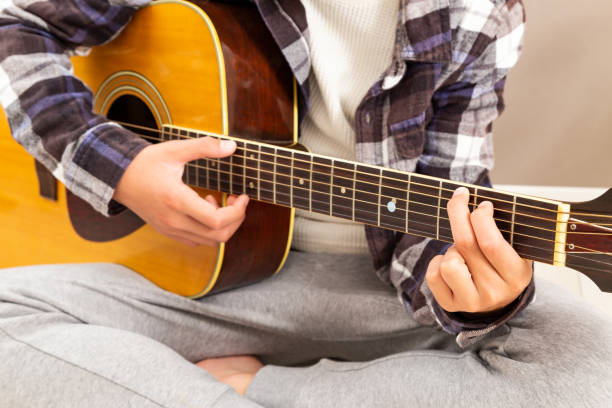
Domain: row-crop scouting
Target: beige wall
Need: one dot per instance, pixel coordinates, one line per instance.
(557, 128)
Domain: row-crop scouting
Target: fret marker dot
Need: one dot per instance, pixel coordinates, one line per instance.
(301, 181)
(343, 190)
(252, 156)
(391, 206)
(251, 184)
(212, 164)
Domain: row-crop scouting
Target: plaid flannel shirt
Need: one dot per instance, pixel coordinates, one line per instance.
(430, 112)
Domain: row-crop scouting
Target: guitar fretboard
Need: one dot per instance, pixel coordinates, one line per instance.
(405, 202)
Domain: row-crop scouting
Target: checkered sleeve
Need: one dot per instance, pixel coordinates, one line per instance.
(487, 41)
(49, 110)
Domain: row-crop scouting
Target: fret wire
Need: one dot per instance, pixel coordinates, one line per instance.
(231, 173)
(354, 188)
(218, 163)
(331, 189)
(392, 179)
(207, 175)
(407, 200)
(475, 197)
(244, 183)
(431, 205)
(379, 194)
(274, 176)
(258, 172)
(310, 186)
(438, 215)
(417, 232)
(197, 173)
(512, 224)
(430, 235)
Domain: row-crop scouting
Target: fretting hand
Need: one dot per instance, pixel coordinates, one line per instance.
(152, 187)
(481, 272)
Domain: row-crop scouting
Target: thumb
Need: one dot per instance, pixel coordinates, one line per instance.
(198, 148)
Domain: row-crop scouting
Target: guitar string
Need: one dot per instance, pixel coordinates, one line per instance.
(576, 256)
(365, 182)
(533, 257)
(402, 219)
(349, 189)
(181, 137)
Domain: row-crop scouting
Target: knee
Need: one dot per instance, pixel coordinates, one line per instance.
(564, 344)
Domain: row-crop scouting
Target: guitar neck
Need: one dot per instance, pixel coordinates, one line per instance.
(401, 201)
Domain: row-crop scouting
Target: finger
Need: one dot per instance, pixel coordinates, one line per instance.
(212, 200)
(197, 148)
(436, 284)
(463, 234)
(457, 276)
(494, 247)
(205, 213)
(231, 199)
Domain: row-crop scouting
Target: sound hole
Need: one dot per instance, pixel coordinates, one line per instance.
(129, 109)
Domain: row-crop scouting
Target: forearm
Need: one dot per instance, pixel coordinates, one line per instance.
(49, 110)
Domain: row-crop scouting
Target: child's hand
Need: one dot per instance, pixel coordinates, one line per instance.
(481, 272)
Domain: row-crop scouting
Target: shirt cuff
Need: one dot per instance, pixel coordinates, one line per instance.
(471, 327)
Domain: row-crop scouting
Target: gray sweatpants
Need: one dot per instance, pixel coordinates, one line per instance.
(330, 334)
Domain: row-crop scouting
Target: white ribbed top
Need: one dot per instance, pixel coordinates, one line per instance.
(351, 44)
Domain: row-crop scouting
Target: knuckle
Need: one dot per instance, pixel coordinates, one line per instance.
(492, 298)
(226, 235)
(471, 306)
(490, 247)
(215, 223)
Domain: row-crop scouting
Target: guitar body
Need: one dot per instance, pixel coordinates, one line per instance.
(191, 64)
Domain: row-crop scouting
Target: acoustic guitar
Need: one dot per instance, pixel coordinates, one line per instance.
(190, 69)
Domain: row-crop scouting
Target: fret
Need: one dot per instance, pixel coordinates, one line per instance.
(291, 181)
(224, 174)
(394, 204)
(283, 176)
(197, 172)
(244, 167)
(423, 206)
(251, 174)
(343, 174)
(231, 173)
(310, 188)
(513, 220)
(258, 158)
(438, 212)
(267, 181)
(534, 230)
(503, 210)
(302, 177)
(331, 188)
(407, 201)
(238, 169)
(177, 136)
(447, 189)
(212, 174)
(379, 195)
(354, 186)
(320, 185)
(475, 197)
(366, 194)
(216, 163)
(207, 174)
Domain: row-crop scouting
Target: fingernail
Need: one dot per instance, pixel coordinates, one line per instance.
(461, 191)
(227, 144)
(485, 204)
